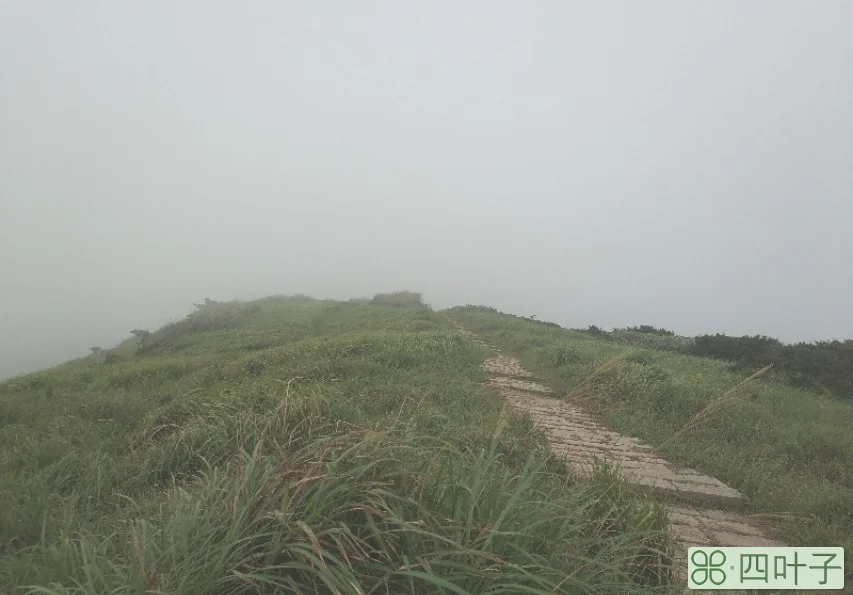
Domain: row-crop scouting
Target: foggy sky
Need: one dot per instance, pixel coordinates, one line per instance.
(681, 164)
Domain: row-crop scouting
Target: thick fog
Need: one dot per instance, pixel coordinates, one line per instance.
(681, 164)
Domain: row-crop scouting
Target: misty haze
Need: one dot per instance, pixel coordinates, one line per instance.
(425, 297)
(684, 165)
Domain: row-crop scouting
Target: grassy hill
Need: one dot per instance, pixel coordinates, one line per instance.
(789, 450)
(307, 446)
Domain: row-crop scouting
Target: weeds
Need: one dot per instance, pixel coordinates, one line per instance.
(716, 405)
(789, 450)
(298, 445)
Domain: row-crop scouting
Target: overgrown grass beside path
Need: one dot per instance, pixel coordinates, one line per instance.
(306, 446)
(790, 451)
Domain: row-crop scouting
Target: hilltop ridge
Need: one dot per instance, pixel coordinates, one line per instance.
(321, 445)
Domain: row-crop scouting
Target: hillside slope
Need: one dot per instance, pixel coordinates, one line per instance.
(304, 445)
(788, 450)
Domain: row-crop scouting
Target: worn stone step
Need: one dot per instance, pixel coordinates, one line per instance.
(506, 366)
(505, 382)
(576, 436)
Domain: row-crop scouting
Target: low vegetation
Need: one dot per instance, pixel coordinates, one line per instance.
(825, 366)
(822, 366)
(306, 446)
(787, 448)
(399, 299)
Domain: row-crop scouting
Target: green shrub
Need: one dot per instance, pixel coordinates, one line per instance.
(824, 365)
(652, 340)
(646, 328)
(561, 354)
(399, 299)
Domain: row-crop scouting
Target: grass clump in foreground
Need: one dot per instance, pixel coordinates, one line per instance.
(789, 450)
(300, 445)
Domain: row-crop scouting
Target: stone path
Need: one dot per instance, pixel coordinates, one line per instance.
(703, 511)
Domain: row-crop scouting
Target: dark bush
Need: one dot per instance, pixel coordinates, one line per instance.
(824, 366)
(143, 336)
(756, 351)
(646, 328)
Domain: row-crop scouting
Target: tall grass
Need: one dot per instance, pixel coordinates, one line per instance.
(369, 512)
(716, 406)
(789, 450)
(304, 446)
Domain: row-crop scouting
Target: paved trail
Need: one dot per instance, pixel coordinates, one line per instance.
(703, 511)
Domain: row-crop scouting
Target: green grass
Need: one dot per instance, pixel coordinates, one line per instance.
(307, 446)
(789, 451)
